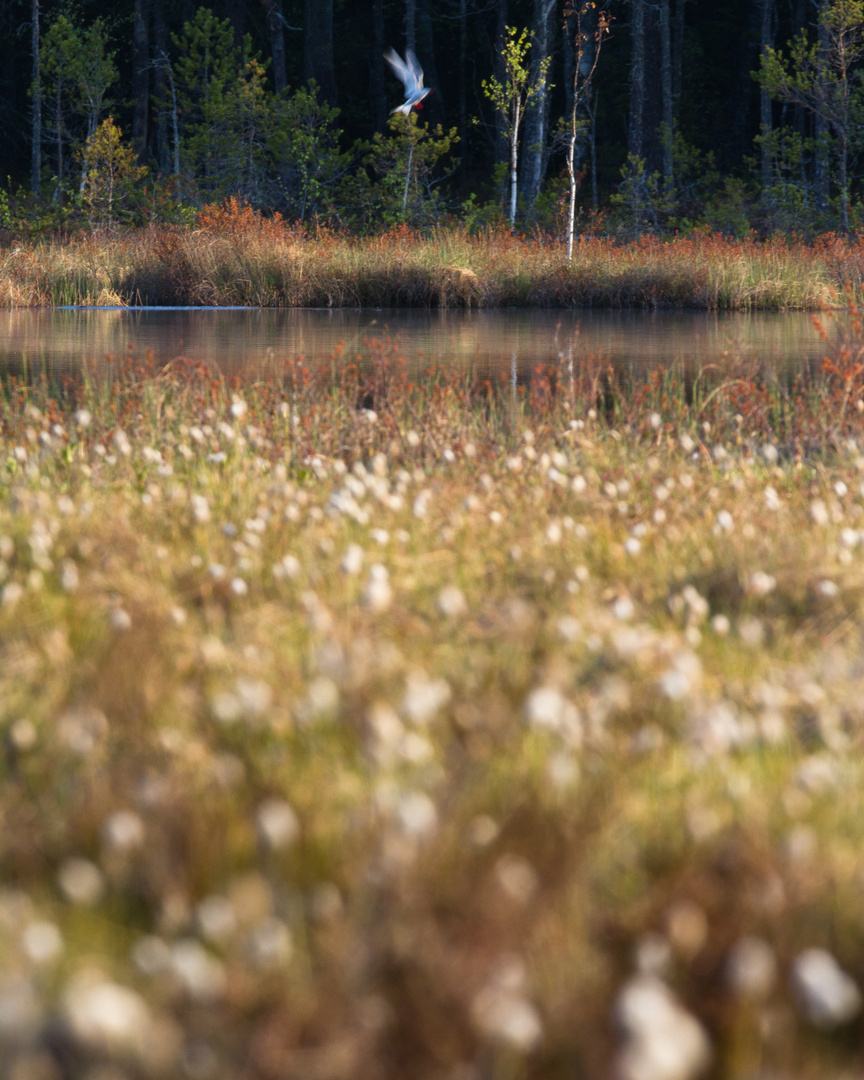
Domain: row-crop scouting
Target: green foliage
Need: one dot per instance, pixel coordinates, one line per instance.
(398, 174)
(5, 210)
(513, 96)
(109, 192)
(790, 200)
(77, 67)
(207, 64)
(824, 78)
(641, 197)
(77, 72)
(239, 138)
(731, 208)
(306, 148)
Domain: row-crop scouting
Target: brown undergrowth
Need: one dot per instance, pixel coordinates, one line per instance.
(236, 256)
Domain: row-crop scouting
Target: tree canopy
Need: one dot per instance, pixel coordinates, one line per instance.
(732, 116)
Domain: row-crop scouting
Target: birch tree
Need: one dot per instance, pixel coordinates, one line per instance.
(586, 49)
(512, 95)
(537, 114)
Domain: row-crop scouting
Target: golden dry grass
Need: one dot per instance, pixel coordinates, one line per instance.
(237, 257)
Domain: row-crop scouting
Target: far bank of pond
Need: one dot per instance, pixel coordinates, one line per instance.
(261, 263)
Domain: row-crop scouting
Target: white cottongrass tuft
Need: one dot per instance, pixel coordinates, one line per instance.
(216, 919)
(451, 602)
(724, 522)
(120, 620)
(81, 881)
(106, 1017)
(287, 567)
(760, 583)
(546, 708)
(424, 697)
(506, 1016)
(662, 1040)
(269, 945)
(200, 509)
(517, 877)
(420, 506)
(416, 813)
(828, 996)
(378, 594)
(352, 560)
(277, 825)
(683, 677)
(121, 443)
(42, 942)
(751, 968)
(69, 576)
(123, 831)
(201, 975)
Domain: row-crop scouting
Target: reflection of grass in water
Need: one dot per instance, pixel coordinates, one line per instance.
(361, 726)
(248, 260)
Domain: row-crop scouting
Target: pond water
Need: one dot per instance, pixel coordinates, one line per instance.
(253, 339)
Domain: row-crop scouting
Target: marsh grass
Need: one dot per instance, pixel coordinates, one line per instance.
(238, 257)
(402, 720)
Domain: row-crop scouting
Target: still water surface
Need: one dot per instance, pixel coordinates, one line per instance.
(250, 339)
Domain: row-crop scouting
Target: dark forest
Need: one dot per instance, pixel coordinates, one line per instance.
(675, 129)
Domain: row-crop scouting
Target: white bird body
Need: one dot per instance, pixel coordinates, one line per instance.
(410, 74)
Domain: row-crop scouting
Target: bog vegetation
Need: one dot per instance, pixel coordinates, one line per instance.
(238, 256)
(365, 720)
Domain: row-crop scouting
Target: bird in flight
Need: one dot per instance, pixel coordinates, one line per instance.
(410, 74)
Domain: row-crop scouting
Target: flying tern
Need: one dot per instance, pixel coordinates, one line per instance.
(410, 74)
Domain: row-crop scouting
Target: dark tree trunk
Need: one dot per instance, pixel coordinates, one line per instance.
(502, 143)
(58, 139)
(140, 78)
(820, 130)
(411, 25)
(666, 93)
(678, 49)
(463, 83)
(276, 27)
(766, 39)
(160, 146)
(234, 14)
(434, 102)
(377, 89)
(536, 141)
(636, 140)
(36, 118)
(318, 47)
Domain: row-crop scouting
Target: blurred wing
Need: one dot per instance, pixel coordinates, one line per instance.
(416, 70)
(403, 72)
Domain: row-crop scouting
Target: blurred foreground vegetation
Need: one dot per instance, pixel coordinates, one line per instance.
(372, 721)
